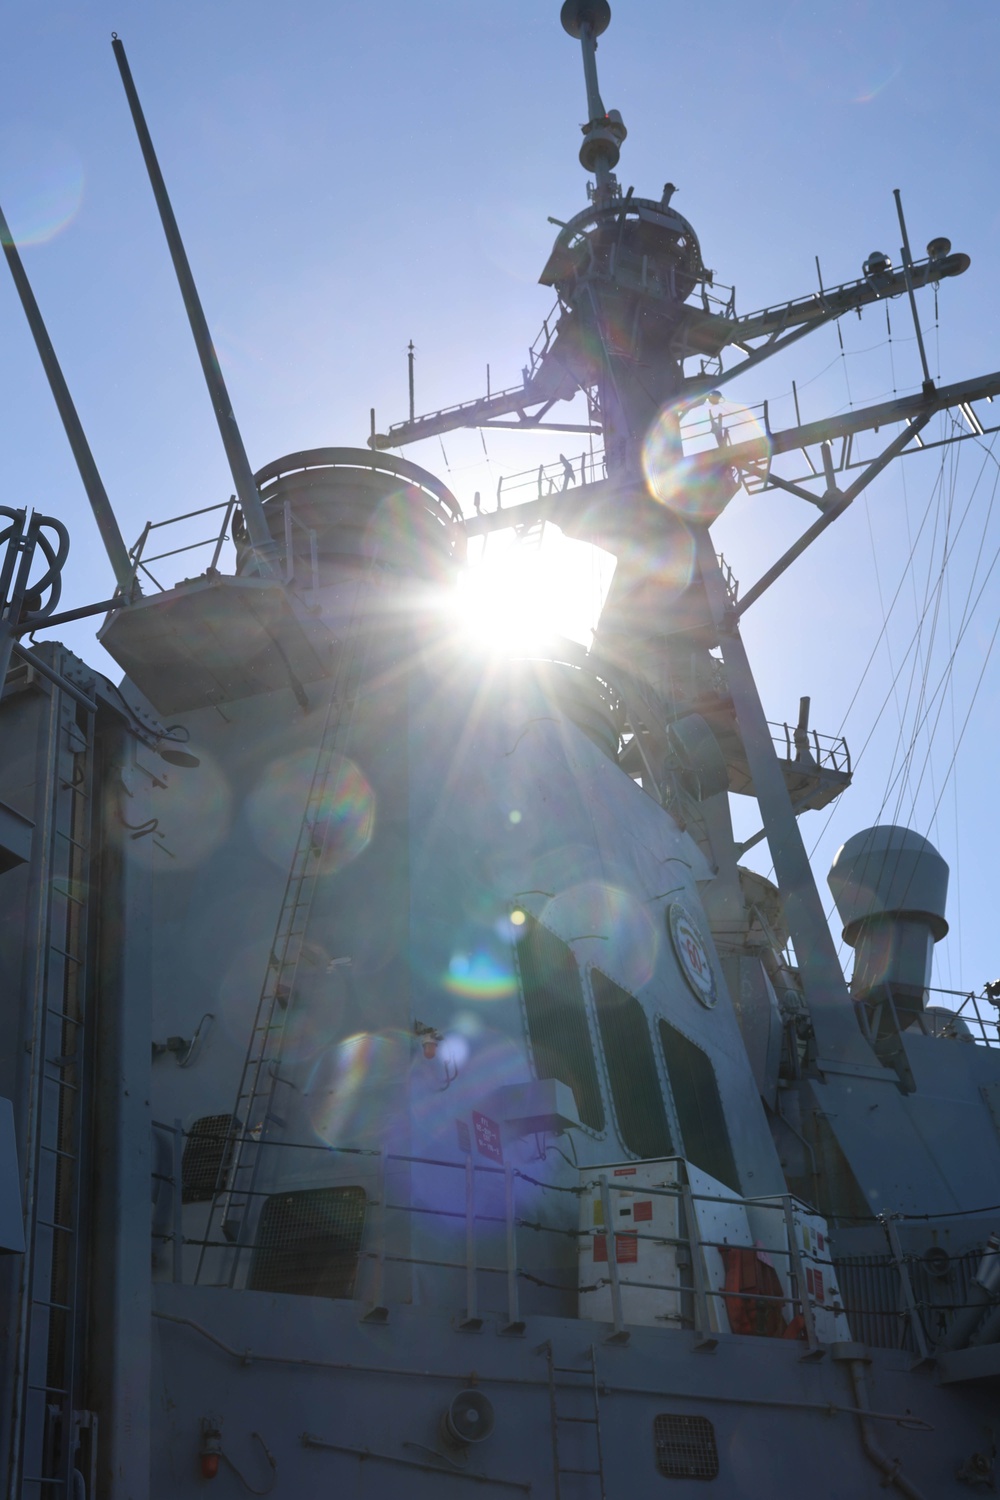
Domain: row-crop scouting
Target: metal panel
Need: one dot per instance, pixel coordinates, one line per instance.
(11, 1223)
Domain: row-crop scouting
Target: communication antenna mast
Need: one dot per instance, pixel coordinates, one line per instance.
(605, 130)
(104, 515)
(232, 440)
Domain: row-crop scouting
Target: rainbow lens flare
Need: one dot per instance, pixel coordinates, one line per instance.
(43, 184)
(352, 1087)
(608, 927)
(345, 817)
(479, 975)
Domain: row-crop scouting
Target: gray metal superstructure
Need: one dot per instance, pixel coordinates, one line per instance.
(412, 1092)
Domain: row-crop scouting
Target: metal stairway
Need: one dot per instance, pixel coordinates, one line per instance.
(583, 1481)
(256, 1110)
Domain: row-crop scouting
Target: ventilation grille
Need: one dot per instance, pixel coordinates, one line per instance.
(557, 1018)
(874, 1303)
(208, 1153)
(685, 1447)
(309, 1243)
(635, 1083)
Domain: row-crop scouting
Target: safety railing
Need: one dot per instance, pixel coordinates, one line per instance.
(811, 750)
(967, 1022)
(706, 1306)
(188, 529)
(553, 478)
(540, 345)
(142, 558)
(728, 578)
(706, 428)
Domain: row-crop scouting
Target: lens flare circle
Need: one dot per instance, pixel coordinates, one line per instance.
(479, 975)
(345, 817)
(43, 181)
(352, 1086)
(610, 926)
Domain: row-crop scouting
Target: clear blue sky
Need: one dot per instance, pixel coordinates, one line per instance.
(348, 177)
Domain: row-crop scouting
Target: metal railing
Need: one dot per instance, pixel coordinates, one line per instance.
(213, 544)
(540, 345)
(553, 478)
(810, 749)
(381, 1248)
(970, 1023)
(141, 559)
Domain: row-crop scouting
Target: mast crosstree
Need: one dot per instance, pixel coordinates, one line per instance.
(640, 328)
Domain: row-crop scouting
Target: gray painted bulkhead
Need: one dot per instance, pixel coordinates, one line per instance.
(449, 760)
(422, 911)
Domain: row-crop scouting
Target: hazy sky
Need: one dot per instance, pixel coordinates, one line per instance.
(348, 177)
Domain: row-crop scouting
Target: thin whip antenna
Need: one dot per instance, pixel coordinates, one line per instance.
(908, 273)
(239, 464)
(107, 525)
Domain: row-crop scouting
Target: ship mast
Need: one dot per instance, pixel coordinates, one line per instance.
(636, 306)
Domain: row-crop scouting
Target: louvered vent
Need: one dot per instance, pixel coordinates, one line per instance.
(685, 1447)
(208, 1153)
(309, 1243)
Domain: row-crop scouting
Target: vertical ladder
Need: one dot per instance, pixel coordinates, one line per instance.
(592, 1479)
(48, 1394)
(255, 1111)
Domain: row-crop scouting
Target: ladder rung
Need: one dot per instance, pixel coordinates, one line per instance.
(560, 1418)
(71, 958)
(53, 1306)
(595, 1472)
(60, 1083)
(49, 1390)
(64, 1015)
(69, 896)
(75, 842)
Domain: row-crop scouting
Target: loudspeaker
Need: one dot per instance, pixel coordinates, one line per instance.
(469, 1419)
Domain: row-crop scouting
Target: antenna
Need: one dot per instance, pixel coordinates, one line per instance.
(239, 464)
(605, 130)
(908, 270)
(107, 525)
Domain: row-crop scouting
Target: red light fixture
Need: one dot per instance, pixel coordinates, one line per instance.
(210, 1452)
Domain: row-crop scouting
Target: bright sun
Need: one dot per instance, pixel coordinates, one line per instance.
(519, 593)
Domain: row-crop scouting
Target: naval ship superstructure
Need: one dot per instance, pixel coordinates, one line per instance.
(407, 1091)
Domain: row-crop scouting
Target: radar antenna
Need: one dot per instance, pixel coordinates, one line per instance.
(605, 130)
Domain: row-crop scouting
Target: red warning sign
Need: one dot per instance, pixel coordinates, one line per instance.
(643, 1212)
(626, 1249)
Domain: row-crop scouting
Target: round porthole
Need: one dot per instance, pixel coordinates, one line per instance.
(692, 954)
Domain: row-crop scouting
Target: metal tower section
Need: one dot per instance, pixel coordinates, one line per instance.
(641, 330)
(622, 269)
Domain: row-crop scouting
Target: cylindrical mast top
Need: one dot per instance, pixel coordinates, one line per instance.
(605, 130)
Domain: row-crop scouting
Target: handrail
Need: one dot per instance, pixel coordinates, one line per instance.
(380, 1253)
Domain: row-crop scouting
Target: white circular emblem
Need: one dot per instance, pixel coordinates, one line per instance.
(692, 955)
